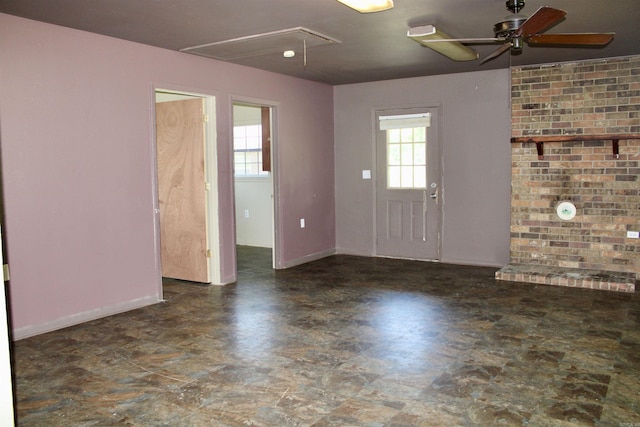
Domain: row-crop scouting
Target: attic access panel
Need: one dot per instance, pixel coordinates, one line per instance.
(262, 44)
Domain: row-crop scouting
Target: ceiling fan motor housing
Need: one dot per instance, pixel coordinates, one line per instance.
(506, 29)
(510, 24)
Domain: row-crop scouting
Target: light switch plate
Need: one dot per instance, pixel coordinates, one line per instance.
(366, 174)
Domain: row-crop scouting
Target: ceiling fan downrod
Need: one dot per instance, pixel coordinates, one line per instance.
(507, 28)
(515, 6)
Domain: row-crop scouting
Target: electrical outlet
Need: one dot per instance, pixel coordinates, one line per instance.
(633, 234)
(301, 222)
(246, 213)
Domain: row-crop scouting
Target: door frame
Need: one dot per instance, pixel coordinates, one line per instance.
(211, 176)
(275, 209)
(395, 109)
(6, 387)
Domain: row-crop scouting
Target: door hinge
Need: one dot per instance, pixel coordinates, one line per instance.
(208, 253)
(207, 186)
(5, 271)
(205, 118)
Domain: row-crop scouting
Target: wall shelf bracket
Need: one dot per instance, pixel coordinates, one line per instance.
(540, 149)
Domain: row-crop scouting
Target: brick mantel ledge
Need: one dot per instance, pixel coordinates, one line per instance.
(540, 140)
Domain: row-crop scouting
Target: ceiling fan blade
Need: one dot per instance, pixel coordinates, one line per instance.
(502, 49)
(587, 39)
(481, 40)
(427, 35)
(542, 19)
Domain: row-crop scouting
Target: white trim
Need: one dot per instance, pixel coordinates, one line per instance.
(308, 258)
(213, 207)
(78, 318)
(6, 389)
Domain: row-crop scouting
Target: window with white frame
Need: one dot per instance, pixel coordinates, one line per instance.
(406, 150)
(247, 151)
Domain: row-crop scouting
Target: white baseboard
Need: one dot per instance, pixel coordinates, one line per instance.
(309, 258)
(351, 252)
(76, 319)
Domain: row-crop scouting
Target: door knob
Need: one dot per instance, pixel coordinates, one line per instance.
(434, 196)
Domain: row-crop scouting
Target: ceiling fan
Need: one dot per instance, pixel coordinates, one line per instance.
(513, 32)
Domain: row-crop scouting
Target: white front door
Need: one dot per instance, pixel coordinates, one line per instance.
(408, 207)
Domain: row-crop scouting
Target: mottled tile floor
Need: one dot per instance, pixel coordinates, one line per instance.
(344, 341)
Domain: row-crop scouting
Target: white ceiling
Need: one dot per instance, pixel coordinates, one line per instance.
(371, 46)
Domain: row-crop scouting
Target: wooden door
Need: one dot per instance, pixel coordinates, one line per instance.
(180, 138)
(408, 185)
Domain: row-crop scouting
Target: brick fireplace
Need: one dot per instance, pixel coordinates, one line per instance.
(576, 139)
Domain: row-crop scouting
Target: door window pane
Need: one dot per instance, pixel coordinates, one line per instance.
(393, 176)
(420, 153)
(393, 154)
(419, 177)
(407, 158)
(406, 180)
(407, 154)
(393, 135)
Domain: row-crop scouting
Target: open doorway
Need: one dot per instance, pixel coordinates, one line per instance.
(186, 187)
(254, 187)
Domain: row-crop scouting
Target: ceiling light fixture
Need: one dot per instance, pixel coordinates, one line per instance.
(432, 38)
(367, 6)
(289, 53)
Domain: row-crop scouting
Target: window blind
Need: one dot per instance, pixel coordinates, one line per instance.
(405, 121)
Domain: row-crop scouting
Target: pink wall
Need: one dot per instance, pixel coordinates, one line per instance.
(76, 129)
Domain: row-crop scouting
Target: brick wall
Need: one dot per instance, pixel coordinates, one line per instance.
(586, 98)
